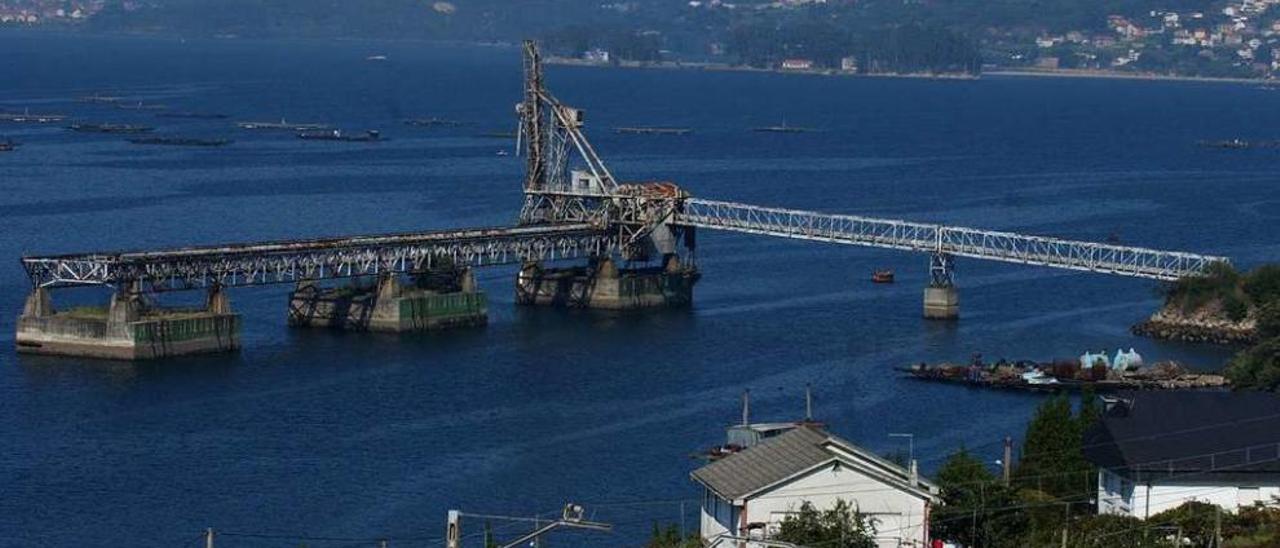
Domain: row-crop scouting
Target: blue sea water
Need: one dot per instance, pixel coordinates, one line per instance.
(352, 436)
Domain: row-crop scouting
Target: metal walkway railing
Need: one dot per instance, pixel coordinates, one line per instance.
(290, 261)
(933, 238)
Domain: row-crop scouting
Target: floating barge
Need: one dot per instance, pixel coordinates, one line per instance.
(282, 125)
(181, 141)
(784, 128)
(26, 117)
(8, 146)
(337, 135)
(109, 128)
(192, 115)
(1065, 376)
(141, 106)
(652, 130)
(431, 122)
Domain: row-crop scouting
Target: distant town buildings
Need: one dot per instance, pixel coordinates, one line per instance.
(36, 12)
(596, 55)
(797, 64)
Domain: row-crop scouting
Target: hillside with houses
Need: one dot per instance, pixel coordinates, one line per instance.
(1231, 38)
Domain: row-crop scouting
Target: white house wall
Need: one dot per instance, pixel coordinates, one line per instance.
(899, 516)
(716, 516)
(1117, 496)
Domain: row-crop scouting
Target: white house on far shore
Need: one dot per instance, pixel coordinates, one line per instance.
(749, 493)
(1156, 451)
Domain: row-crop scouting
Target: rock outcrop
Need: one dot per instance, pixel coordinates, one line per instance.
(1207, 324)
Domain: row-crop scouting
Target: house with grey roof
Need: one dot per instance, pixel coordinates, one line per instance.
(1158, 450)
(751, 492)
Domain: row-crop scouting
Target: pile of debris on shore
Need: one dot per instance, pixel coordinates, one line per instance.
(1096, 371)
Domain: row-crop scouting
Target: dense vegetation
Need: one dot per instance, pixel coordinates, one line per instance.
(840, 526)
(669, 537)
(1253, 295)
(1052, 489)
(1049, 485)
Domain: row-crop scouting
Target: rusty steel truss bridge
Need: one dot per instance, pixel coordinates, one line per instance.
(578, 209)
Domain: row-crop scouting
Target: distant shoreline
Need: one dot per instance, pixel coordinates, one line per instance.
(725, 67)
(1006, 72)
(1115, 75)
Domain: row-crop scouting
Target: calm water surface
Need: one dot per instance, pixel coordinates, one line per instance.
(313, 433)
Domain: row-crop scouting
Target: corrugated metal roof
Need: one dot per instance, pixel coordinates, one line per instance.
(766, 463)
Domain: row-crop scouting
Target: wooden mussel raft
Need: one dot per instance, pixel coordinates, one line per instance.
(1066, 376)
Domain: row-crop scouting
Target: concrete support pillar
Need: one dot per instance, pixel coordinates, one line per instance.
(217, 302)
(941, 303)
(125, 307)
(467, 281)
(39, 304)
(671, 263)
(606, 269)
(941, 299)
(388, 287)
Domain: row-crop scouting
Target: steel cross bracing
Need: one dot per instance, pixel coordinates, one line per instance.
(943, 240)
(291, 261)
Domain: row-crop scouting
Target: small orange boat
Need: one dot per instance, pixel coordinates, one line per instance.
(882, 277)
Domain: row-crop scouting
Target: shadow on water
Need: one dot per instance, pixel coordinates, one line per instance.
(53, 370)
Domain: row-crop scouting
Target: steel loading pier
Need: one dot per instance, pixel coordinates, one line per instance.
(581, 239)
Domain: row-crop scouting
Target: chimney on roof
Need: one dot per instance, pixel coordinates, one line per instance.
(746, 407)
(808, 402)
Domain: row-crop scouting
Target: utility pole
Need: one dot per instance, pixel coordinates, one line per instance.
(208, 537)
(453, 531)
(682, 521)
(1217, 527)
(1066, 522)
(1008, 459)
(571, 517)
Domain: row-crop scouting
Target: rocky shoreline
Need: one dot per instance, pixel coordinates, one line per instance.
(1174, 325)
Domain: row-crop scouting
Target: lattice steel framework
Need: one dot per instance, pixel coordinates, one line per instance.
(290, 261)
(586, 214)
(944, 241)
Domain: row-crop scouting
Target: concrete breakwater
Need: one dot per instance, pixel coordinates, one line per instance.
(602, 285)
(128, 329)
(1171, 323)
(436, 300)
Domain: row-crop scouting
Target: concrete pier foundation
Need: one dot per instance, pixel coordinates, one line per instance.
(128, 329)
(941, 303)
(602, 285)
(436, 300)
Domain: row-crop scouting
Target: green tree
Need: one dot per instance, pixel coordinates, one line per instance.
(1256, 526)
(1052, 453)
(1262, 285)
(1109, 531)
(1196, 521)
(669, 537)
(840, 526)
(1257, 367)
(977, 509)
